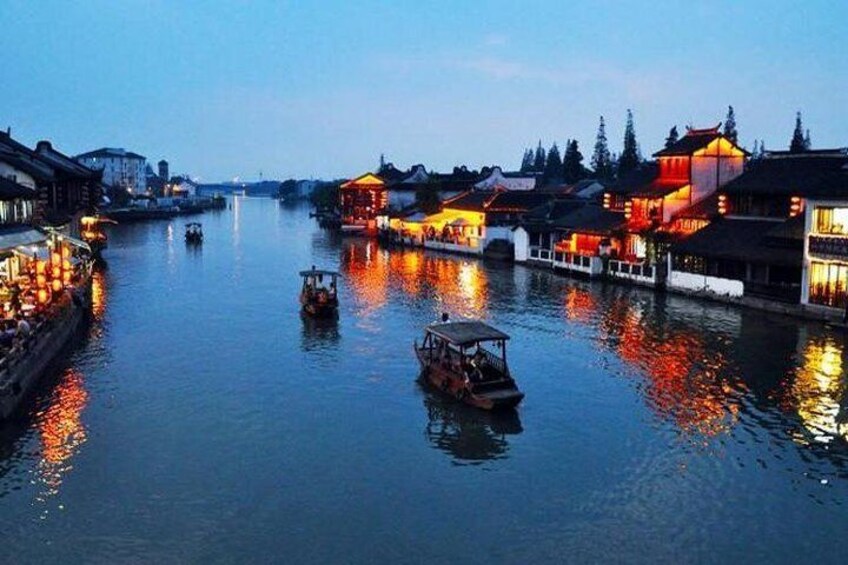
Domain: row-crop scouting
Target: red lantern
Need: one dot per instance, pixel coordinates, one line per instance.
(40, 281)
(66, 253)
(42, 296)
(66, 265)
(57, 285)
(55, 258)
(40, 267)
(66, 277)
(56, 272)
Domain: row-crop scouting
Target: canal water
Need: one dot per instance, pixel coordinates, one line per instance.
(201, 419)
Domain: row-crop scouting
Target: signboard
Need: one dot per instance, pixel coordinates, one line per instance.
(830, 246)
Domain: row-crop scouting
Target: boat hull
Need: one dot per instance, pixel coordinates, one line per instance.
(454, 384)
(318, 309)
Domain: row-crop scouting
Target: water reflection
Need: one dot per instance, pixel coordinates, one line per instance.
(456, 285)
(818, 390)
(470, 436)
(318, 333)
(61, 432)
(688, 377)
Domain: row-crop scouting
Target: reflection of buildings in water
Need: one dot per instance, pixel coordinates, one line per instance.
(98, 294)
(688, 378)
(817, 391)
(61, 430)
(459, 286)
(469, 435)
(318, 333)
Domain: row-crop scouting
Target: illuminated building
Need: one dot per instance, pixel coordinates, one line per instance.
(472, 221)
(825, 272)
(770, 233)
(361, 201)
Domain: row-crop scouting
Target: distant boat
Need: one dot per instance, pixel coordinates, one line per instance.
(318, 299)
(454, 360)
(194, 233)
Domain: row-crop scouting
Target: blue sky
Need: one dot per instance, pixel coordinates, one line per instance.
(320, 89)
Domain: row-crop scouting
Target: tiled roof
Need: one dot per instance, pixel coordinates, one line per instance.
(592, 219)
(474, 201)
(754, 241)
(520, 200)
(694, 140)
(811, 174)
(9, 190)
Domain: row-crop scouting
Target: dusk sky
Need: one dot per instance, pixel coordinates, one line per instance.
(320, 89)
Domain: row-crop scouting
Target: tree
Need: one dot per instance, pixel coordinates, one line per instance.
(539, 159)
(601, 161)
(807, 143)
(629, 160)
(553, 166)
(797, 143)
(672, 138)
(730, 125)
(527, 161)
(572, 163)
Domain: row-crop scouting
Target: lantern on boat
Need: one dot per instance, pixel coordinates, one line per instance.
(55, 259)
(40, 267)
(56, 285)
(66, 252)
(40, 281)
(66, 277)
(56, 272)
(66, 265)
(42, 296)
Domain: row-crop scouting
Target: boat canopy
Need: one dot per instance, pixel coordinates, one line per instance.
(314, 272)
(14, 237)
(193, 224)
(466, 333)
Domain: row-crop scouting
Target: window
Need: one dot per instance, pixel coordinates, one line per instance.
(828, 282)
(831, 221)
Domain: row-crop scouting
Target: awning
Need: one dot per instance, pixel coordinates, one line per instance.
(460, 222)
(77, 243)
(16, 237)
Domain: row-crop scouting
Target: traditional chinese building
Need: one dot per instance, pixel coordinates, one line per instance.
(769, 232)
(361, 200)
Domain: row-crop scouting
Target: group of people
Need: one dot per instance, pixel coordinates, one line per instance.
(14, 330)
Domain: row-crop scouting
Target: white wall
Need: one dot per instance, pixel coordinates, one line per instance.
(707, 176)
(521, 239)
(498, 179)
(702, 283)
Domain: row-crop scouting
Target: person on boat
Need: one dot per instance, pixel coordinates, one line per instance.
(24, 329)
(7, 336)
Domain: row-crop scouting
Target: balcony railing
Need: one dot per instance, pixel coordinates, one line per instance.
(623, 268)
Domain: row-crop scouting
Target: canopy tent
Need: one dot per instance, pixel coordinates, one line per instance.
(466, 333)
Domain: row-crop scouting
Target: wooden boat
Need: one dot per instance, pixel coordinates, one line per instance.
(194, 232)
(319, 300)
(453, 359)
